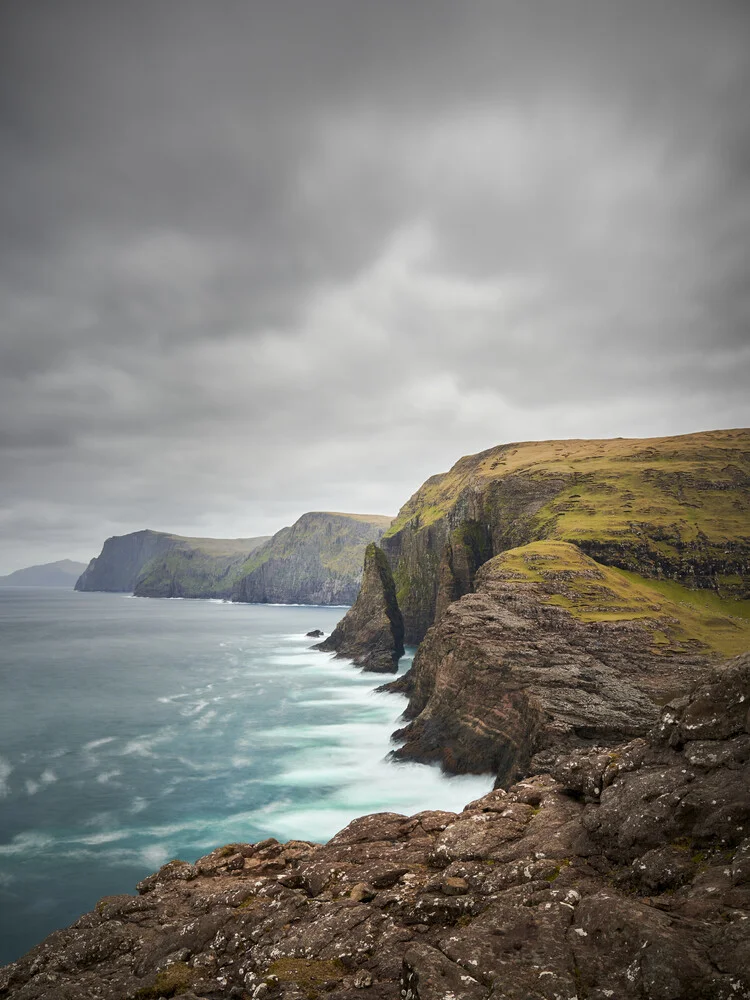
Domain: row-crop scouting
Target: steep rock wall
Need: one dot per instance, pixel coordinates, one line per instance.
(670, 508)
(318, 560)
(552, 652)
(372, 632)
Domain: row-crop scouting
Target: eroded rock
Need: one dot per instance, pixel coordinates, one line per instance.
(372, 632)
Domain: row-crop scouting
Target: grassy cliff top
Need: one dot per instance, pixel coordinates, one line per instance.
(591, 592)
(222, 546)
(336, 539)
(379, 520)
(696, 482)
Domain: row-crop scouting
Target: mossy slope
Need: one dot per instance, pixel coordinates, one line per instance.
(677, 618)
(318, 560)
(674, 508)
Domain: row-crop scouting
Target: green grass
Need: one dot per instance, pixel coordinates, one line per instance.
(677, 617)
(335, 541)
(696, 482)
(172, 981)
(308, 974)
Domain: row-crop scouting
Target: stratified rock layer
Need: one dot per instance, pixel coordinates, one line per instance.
(552, 652)
(626, 875)
(372, 631)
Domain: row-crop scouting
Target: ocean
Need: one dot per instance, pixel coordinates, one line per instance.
(135, 730)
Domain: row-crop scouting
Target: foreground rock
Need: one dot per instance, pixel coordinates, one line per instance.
(552, 652)
(372, 631)
(626, 875)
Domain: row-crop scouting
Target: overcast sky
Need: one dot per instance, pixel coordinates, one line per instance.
(258, 258)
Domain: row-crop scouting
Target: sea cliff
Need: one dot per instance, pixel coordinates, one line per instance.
(318, 560)
(674, 508)
(157, 564)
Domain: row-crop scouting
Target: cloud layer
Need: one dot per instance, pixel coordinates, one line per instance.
(261, 258)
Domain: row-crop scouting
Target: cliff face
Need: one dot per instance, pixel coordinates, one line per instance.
(372, 632)
(668, 508)
(157, 564)
(623, 873)
(555, 652)
(316, 561)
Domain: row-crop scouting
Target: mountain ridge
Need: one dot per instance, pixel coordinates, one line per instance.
(61, 573)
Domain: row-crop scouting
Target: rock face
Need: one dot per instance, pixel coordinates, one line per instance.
(372, 631)
(625, 873)
(669, 508)
(552, 652)
(316, 561)
(157, 564)
(63, 573)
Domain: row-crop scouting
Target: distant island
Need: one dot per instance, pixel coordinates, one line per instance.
(62, 573)
(318, 560)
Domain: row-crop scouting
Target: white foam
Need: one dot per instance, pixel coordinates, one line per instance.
(205, 720)
(5, 772)
(48, 777)
(155, 854)
(106, 776)
(32, 787)
(98, 743)
(107, 837)
(194, 709)
(142, 746)
(29, 842)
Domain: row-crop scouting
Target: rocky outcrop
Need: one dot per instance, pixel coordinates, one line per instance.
(372, 632)
(625, 874)
(157, 564)
(669, 508)
(318, 560)
(552, 652)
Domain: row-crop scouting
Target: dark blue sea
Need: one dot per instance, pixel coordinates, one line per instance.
(133, 731)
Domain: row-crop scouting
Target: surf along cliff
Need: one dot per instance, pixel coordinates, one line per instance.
(563, 590)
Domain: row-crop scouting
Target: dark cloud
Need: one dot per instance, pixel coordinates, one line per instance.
(266, 257)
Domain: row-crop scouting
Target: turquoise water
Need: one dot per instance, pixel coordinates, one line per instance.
(133, 731)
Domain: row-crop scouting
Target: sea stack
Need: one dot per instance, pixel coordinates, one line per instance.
(372, 631)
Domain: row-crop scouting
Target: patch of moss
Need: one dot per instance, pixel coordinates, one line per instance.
(170, 982)
(676, 617)
(659, 506)
(307, 973)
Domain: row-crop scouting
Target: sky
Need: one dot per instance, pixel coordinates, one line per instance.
(259, 258)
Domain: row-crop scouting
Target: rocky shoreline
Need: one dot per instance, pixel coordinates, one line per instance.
(624, 872)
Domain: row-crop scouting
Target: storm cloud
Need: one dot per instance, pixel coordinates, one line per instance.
(259, 258)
